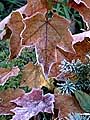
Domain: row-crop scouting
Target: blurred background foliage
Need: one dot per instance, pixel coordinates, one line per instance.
(7, 6)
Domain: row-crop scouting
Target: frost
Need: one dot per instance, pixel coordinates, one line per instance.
(32, 103)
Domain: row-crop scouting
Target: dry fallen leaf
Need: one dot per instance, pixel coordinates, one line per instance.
(87, 2)
(66, 104)
(30, 104)
(33, 76)
(81, 48)
(55, 70)
(5, 21)
(5, 98)
(6, 73)
(82, 8)
(34, 6)
(16, 25)
(46, 34)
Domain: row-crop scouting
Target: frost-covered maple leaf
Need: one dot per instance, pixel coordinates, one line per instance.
(5, 97)
(16, 25)
(83, 7)
(81, 48)
(66, 105)
(6, 73)
(33, 76)
(46, 34)
(30, 104)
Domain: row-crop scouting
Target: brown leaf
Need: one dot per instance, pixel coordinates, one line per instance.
(16, 26)
(7, 34)
(32, 103)
(5, 21)
(29, 9)
(5, 98)
(82, 8)
(66, 104)
(87, 2)
(6, 73)
(46, 34)
(81, 48)
(34, 6)
(55, 69)
(33, 76)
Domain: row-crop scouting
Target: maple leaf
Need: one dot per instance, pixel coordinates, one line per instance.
(6, 73)
(30, 8)
(81, 48)
(82, 8)
(87, 2)
(55, 70)
(34, 6)
(5, 98)
(33, 76)
(32, 103)
(16, 26)
(46, 34)
(66, 105)
(81, 44)
(5, 21)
